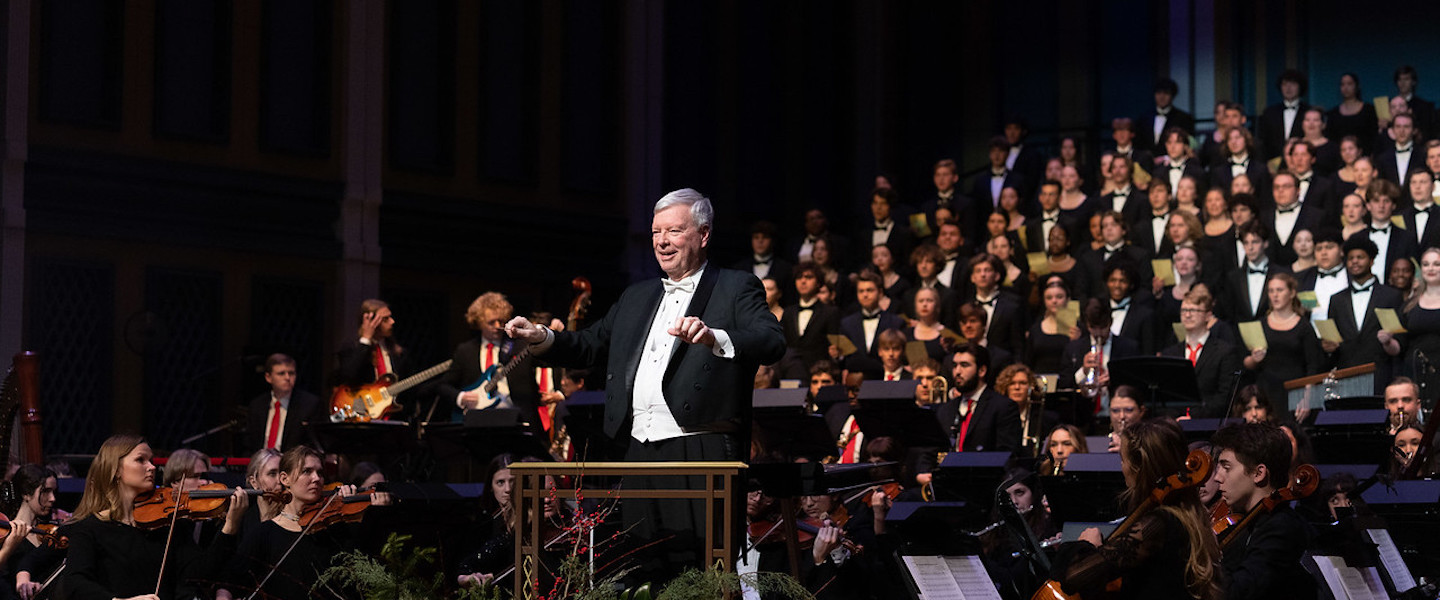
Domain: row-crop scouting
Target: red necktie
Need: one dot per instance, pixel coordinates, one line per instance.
(274, 427)
(852, 447)
(546, 416)
(1194, 352)
(891, 377)
(380, 369)
(965, 425)
(489, 355)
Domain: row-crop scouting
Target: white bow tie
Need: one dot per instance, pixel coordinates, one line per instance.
(686, 285)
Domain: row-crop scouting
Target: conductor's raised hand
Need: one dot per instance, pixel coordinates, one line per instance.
(692, 330)
(521, 328)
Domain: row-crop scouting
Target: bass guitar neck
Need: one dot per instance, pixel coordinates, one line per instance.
(375, 400)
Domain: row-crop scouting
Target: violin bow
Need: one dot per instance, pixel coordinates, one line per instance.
(286, 555)
(169, 537)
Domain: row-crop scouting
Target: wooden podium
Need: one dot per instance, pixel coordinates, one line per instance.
(719, 493)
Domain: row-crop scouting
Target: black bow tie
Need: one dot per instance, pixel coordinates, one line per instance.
(1425, 210)
(1292, 105)
(866, 317)
(1255, 271)
(1164, 112)
(1051, 219)
(1331, 273)
(883, 227)
(1286, 211)
(1306, 179)
(1119, 194)
(1155, 217)
(990, 302)
(1385, 229)
(1399, 150)
(764, 261)
(999, 173)
(1179, 167)
(805, 308)
(1121, 306)
(1364, 288)
(1240, 163)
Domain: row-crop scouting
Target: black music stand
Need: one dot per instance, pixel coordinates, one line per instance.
(1352, 436)
(1412, 508)
(933, 528)
(971, 478)
(1197, 430)
(1356, 403)
(370, 437)
(792, 434)
(1088, 489)
(484, 435)
(1169, 380)
(585, 424)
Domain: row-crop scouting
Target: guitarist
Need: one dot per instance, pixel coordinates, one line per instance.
(490, 348)
(1264, 562)
(375, 353)
(1167, 552)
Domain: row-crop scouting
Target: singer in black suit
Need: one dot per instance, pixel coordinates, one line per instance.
(1430, 236)
(866, 358)
(301, 409)
(1389, 154)
(1216, 361)
(1236, 302)
(680, 356)
(1240, 151)
(1363, 341)
(804, 349)
(1291, 84)
(1168, 115)
(1126, 199)
(992, 421)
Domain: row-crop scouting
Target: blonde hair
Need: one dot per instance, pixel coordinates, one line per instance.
(488, 302)
(102, 490)
(1156, 449)
(257, 463)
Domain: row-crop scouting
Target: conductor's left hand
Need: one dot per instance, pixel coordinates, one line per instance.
(692, 330)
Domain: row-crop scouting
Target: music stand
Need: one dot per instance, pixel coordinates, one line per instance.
(831, 394)
(370, 437)
(1088, 489)
(1169, 380)
(1197, 430)
(793, 434)
(585, 424)
(934, 528)
(774, 399)
(1352, 436)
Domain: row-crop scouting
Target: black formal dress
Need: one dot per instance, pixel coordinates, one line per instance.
(1422, 326)
(1362, 125)
(1265, 562)
(305, 409)
(1290, 354)
(1045, 352)
(263, 547)
(112, 560)
(1149, 559)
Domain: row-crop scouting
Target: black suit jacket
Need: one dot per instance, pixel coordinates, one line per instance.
(357, 364)
(1145, 126)
(1008, 324)
(1311, 217)
(1359, 345)
(1272, 128)
(1093, 262)
(1075, 351)
(465, 370)
(1402, 243)
(994, 424)
(900, 241)
(1214, 373)
(1137, 205)
(305, 409)
(1424, 111)
(802, 350)
(1035, 240)
(1142, 235)
(982, 203)
(1384, 161)
(781, 270)
(1193, 169)
(1140, 327)
(1235, 300)
(1430, 238)
(705, 392)
(1256, 171)
(867, 358)
(1266, 563)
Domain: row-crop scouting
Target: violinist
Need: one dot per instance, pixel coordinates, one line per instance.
(1264, 562)
(29, 497)
(110, 556)
(489, 562)
(261, 550)
(263, 474)
(186, 469)
(1167, 552)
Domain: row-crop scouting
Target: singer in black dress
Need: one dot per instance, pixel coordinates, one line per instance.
(1293, 350)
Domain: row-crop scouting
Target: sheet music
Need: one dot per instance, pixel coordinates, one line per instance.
(1354, 583)
(970, 575)
(1372, 580)
(1390, 558)
(933, 579)
(1330, 571)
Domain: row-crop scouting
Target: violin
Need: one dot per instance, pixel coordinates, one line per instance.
(768, 532)
(331, 509)
(45, 532)
(1302, 483)
(1191, 474)
(158, 507)
(1221, 517)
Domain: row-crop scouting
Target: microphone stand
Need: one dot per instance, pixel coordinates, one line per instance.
(1234, 395)
(185, 443)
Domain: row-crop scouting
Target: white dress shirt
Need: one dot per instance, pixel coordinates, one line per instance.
(1239, 163)
(1048, 220)
(1402, 159)
(881, 234)
(1360, 300)
(997, 183)
(1325, 287)
(1422, 218)
(270, 418)
(1157, 230)
(1177, 170)
(1012, 155)
(1285, 218)
(1120, 197)
(1303, 181)
(1292, 108)
(868, 323)
(1118, 312)
(1380, 234)
(947, 273)
(1161, 116)
(761, 265)
(806, 248)
(802, 316)
(1255, 283)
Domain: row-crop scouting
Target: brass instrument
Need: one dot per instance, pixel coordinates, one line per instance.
(1036, 413)
(938, 390)
(1090, 385)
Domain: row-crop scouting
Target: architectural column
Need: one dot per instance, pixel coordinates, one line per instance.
(16, 95)
(363, 91)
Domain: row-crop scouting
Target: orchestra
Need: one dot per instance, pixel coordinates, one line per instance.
(1160, 406)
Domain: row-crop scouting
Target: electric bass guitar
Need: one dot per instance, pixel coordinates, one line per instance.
(489, 383)
(375, 400)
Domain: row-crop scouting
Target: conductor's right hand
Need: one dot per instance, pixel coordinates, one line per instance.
(521, 328)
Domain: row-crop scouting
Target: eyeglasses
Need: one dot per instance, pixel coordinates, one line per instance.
(1191, 311)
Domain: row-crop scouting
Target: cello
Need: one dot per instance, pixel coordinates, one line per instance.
(1192, 473)
(1302, 483)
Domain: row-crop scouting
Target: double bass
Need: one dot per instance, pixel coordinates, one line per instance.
(1192, 473)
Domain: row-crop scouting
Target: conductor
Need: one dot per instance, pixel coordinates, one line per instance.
(681, 354)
